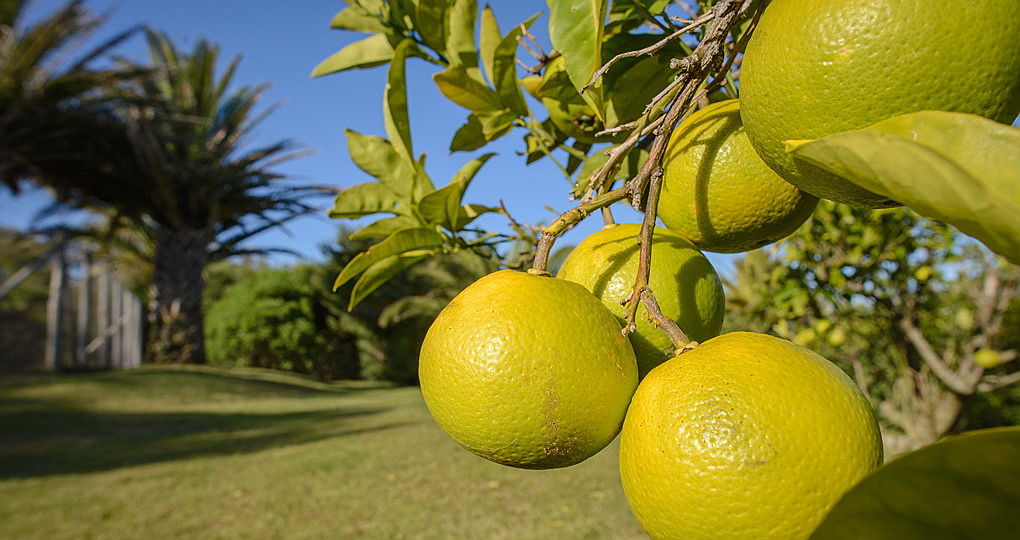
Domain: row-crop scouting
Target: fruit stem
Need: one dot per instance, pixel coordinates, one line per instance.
(566, 221)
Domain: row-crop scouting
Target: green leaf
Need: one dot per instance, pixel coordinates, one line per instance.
(495, 125)
(459, 87)
(382, 271)
(402, 241)
(575, 28)
(383, 228)
(395, 117)
(369, 52)
(469, 136)
(358, 19)
(460, 37)
(504, 69)
(443, 206)
(953, 167)
(963, 487)
(422, 182)
(469, 212)
(362, 200)
(377, 157)
(489, 39)
(431, 18)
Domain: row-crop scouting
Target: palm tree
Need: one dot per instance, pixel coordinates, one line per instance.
(43, 97)
(170, 158)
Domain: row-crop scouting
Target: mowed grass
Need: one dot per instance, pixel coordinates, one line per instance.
(243, 453)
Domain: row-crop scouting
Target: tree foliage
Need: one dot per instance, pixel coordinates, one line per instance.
(914, 311)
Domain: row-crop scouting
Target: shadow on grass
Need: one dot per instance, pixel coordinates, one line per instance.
(59, 434)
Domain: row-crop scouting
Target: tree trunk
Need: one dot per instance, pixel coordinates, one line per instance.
(176, 307)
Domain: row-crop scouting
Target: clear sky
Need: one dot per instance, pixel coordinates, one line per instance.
(281, 41)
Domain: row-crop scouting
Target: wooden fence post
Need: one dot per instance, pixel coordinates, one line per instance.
(84, 318)
(55, 313)
(115, 338)
(103, 315)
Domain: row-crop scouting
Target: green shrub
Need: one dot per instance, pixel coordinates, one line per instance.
(273, 319)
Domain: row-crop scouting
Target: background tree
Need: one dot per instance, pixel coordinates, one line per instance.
(916, 313)
(44, 94)
(170, 160)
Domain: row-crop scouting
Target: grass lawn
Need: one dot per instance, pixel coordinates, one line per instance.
(243, 453)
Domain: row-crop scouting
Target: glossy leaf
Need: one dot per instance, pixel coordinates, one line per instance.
(963, 487)
(369, 52)
(575, 28)
(504, 67)
(460, 37)
(422, 182)
(953, 167)
(382, 271)
(362, 200)
(459, 87)
(395, 116)
(377, 157)
(356, 18)
(384, 227)
(402, 241)
(443, 206)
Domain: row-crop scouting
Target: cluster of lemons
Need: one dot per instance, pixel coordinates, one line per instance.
(744, 435)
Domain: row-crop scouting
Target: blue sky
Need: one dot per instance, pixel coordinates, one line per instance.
(281, 41)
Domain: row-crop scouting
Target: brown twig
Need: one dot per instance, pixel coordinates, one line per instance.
(651, 49)
(566, 221)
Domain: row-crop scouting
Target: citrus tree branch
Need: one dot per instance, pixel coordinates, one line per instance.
(566, 221)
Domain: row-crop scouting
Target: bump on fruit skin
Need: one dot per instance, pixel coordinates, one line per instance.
(745, 436)
(825, 66)
(718, 193)
(527, 371)
(686, 286)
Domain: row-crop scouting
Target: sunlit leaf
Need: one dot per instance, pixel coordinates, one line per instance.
(504, 67)
(422, 182)
(369, 52)
(382, 271)
(464, 90)
(953, 167)
(402, 241)
(362, 200)
(377, 157)
(443, 206)
(575, 28)
(431, 16)
(395, 116)
(460, 37)
(963, 487)
(384, 227)
(469, 212)
(489, 39)
(358, 19)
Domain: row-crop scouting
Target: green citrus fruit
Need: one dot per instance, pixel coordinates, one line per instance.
(745, 436)
(718, 193)
(825, 66)
(684, 282)
(527, 371)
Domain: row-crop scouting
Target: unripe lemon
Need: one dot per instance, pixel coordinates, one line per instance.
(527, 371)
(717, 192)
(823, 66)
(685, 285)
(745, 436)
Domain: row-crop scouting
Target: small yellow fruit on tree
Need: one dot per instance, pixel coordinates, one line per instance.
(686, 286)
(527, 371)
(717, 192)
(745, 436)
(818, 67)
